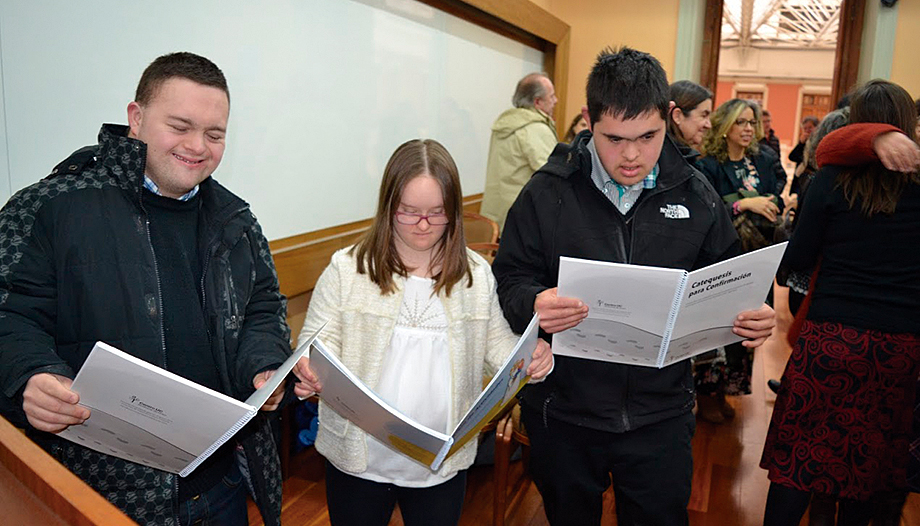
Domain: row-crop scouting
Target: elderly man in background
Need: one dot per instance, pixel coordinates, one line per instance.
(522, 139)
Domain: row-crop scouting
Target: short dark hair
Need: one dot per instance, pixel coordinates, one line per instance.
(528, 90)
(626, 84)
(812, 119)
(183, 65)
(764, 112)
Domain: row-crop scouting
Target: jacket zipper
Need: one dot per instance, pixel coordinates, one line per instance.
(156, 272)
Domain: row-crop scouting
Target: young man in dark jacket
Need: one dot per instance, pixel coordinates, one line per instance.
(612, 196)
(133, 243)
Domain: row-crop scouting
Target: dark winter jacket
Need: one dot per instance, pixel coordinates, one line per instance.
(561, 212)
(78, 266)
(768, 166)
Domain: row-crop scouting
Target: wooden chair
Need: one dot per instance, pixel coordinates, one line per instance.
(508, 433)
(481, 234)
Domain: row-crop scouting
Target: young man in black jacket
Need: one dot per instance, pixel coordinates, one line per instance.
(622, 194)
(133, 243)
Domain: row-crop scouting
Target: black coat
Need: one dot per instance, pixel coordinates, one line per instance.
(561, 212)
(78, 266)
(768, 166)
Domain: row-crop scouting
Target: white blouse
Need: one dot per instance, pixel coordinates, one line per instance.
(415, 379)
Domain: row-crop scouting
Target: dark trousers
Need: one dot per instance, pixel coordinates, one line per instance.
(651, 468)
(222, 505)
(354, 501)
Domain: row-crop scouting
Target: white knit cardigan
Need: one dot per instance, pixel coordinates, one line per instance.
(360, 325)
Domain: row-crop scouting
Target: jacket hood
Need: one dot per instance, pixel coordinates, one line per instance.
(514, 119)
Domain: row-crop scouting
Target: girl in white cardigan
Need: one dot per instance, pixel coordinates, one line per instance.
(413, 313)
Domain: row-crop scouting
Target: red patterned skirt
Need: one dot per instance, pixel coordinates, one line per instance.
(842, 420)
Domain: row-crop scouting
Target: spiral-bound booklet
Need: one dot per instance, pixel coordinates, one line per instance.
(351, 398)
(148, 415)
(655, 317)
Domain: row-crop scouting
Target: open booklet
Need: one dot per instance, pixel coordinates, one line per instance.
(654, 316)
(348, 396)
(148, 415)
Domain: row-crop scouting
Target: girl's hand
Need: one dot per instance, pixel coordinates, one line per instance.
(762, 205)
(309, 384)
(542, 361)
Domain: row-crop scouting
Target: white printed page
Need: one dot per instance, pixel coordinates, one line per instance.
(262, 394)
(136, 407)
(501, 389)
(348, 396)
(715, 295)
(628, 309)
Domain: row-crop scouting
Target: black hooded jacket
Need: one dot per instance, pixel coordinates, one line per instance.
(560, 212)
(77, 265)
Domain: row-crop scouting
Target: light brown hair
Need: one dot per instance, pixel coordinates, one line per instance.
(715, 143)
(376, 251)
(873, 187)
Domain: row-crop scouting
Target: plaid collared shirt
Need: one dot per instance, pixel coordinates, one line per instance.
(622, 197)
(152, 186)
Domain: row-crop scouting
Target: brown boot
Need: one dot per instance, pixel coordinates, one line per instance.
(728, 411)
(709, 408)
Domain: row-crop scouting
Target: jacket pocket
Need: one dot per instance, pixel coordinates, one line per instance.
(331, 421)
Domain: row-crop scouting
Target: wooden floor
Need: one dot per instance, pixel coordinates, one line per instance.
(729, 488)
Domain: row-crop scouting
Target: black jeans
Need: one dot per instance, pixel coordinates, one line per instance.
(651, 468)
(354, 501)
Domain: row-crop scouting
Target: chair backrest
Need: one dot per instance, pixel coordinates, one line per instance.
(486, 250)
(479, 229)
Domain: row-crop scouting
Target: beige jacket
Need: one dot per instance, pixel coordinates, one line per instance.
(360, 325)
(522, 139)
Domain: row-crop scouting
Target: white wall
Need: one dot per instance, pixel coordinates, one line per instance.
(777, 63)
(322, 91)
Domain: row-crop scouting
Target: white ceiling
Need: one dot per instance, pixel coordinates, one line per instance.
(810, 24)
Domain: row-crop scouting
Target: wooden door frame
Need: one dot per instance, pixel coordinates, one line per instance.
(846, 59)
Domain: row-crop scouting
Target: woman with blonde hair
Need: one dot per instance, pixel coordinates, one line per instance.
(750, 180)
(414, 314)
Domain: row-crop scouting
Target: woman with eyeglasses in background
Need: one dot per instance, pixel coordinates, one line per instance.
(750, 181)
(414, 314)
